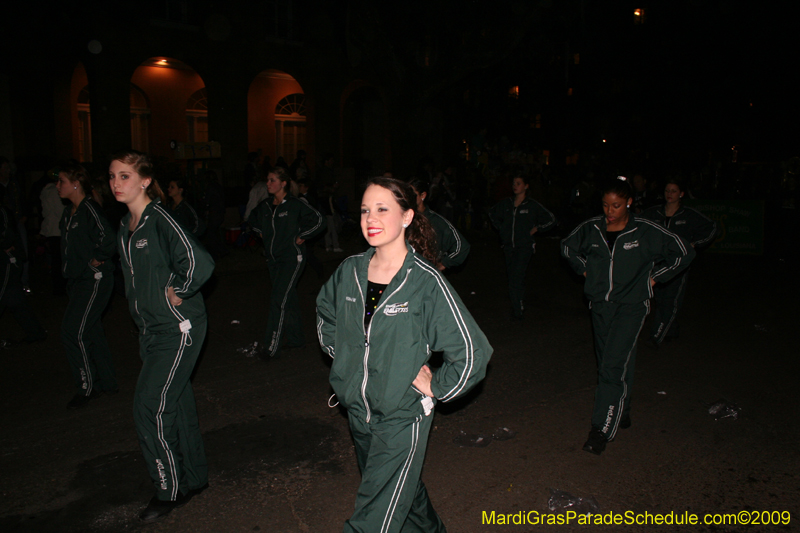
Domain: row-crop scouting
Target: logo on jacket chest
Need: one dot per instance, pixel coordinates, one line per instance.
(393, 309)
(283, 214)
(74, 225)
(680, 222)
(631, 245)
(523, 211)
(350, 299)
(141, 243)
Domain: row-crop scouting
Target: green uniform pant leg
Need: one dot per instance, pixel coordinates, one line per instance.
(668, 302)
(391, 497)
(83, 337)
(165, 413)
(517, 260)
(284, 304)
(14, 299)
(616, 329)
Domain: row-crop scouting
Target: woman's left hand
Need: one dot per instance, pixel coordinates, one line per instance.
(534, 230)
(174, 299)
(423, 381)
(95, 263)
(299, 241)
(652, 282)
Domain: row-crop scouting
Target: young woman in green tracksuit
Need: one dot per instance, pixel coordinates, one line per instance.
(164, 267)
(518, 218)
(379, 317)
(284, 222)
(12, 295)
(697, 230)
(621, 256)
(87, 247)
(182, 211)
(453, 247)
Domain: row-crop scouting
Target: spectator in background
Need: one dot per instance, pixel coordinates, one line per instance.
(252, 171)
(52, 209)
(299, 167)
(258, 194)
(643, 197)
(12, 198)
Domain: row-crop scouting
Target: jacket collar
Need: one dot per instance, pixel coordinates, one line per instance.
(662, 210)
(408, 262)
(630, 226)
(148, 210)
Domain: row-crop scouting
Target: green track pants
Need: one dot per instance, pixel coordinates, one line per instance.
(668, 301)
(83, 336)
(616, 329)
(391, 497)
(284, 304)
(165, 413)
(517, 260)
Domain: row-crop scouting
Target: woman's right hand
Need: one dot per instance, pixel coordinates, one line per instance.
(423, 381)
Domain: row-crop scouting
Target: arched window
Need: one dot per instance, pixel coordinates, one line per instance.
(290, 126)
(197, 116)
(84, 126)
(140, 120)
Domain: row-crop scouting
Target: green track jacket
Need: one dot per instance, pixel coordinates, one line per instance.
(280, 225)
(689, 223)
(86, 235)
(373, 369)
(9, 240)
(622, 274)
(453, 247)
(157, 255)
(515, 223)
(187, 217)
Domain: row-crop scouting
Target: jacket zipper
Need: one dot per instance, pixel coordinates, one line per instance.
(611, 265)
(272, 241)
(130, 264)
(513, 224)
(366, 336)
(66, 243)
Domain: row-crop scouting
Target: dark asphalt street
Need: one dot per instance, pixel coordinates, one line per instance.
(281, 460)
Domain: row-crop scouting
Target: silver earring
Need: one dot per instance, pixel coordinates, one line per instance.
(144, 186)
(405, 225)
(75, 187)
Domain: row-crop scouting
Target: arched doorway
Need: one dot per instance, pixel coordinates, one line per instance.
(197, 116)
(169, 104)
(276, 116)
(140, 120)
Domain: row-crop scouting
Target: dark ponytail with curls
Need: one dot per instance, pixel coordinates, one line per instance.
(419, 233)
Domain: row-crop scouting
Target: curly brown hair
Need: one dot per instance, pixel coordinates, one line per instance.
(419, 233)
